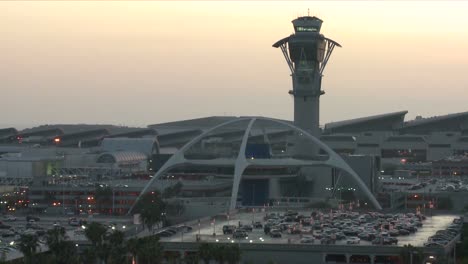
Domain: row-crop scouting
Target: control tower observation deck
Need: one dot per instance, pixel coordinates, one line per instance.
(307, 53)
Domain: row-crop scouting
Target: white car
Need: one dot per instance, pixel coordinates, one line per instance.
(353, 240)
(307, 240)
(10, 218)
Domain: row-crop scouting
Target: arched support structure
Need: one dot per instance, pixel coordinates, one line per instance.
(241, 163)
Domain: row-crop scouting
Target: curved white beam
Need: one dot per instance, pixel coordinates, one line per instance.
(241, 163)
(178, 158)
(334, 160)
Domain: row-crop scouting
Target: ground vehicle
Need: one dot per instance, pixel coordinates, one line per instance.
(74, 222)
(327, 241)
(295, 231)
(228, 229)
(239, 234)
(307, 240)
(3, 226)
(404, 232)
(32, 217)
(353, 240)
(247, 228)
(384, 241)
(164, 234)
(275, 233)
(184, 228)
(9, 218)
(257, 225)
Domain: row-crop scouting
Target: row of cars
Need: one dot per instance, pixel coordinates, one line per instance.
(351, 227)
(168, 232)
(443, 237)
(241, 230)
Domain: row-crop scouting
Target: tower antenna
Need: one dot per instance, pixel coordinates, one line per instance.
(308, 12)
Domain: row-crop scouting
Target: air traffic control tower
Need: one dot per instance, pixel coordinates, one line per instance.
(307, 53)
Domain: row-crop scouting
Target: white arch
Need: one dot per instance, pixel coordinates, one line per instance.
(241, 163)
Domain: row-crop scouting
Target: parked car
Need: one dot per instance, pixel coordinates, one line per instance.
(275, 233)
(247, 228)
(9, 218)
(74, 222)
(228, 229)
(307, 240)
(257, 225)
(239, 234)
(353, 240)
(32, 217)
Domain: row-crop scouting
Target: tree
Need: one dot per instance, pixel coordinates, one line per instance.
(116, 246)
(88, 255)
(63, 251)
(132, 246)
(233, 254)
(205, 251)
(175, 207)
(151, 208)
(173, 257)
(408, 251)
(150, 250)
(95, 233)
(103, 196)
(172, 191)
(192, 258)
(28, 246)
(220, 253)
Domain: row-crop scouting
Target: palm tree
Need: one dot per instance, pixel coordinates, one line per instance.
(88, 255)
(54, 238)
(233, 254)
(411, 254)
(192, 258)
(103, 196)
(173, 257)
(28, 246)
(220, 253)
(117, 247)
(95, 233)
(150, 208)
(132, 246)
(150, 250)
(63, 251)
(205, 251)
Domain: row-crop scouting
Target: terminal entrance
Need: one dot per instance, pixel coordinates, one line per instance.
(254, 192)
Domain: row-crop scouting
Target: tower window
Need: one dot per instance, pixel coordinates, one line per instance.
(306, 29)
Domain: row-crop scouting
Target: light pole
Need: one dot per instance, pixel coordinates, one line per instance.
(214, 227)
(63, 196)
(253, 216)
(113, 200)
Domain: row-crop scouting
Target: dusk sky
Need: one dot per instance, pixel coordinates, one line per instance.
(140, 63)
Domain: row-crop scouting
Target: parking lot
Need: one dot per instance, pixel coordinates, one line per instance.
(13, 226)
(307, 234)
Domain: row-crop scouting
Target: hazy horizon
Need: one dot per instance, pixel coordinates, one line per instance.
(140, 63)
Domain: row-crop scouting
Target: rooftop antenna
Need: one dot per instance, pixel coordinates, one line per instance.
(308, 12)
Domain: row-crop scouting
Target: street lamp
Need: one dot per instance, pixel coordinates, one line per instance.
(113, 200)
(214, 226)
(253, 216)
